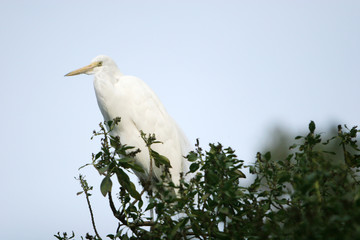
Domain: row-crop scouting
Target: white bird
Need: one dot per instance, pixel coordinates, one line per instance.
(139, 108)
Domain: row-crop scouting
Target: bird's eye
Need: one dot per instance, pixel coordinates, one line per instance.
(100, 64)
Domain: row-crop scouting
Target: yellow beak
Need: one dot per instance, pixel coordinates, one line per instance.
(85, 69)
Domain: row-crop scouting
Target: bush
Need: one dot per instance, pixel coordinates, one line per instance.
(311, 194)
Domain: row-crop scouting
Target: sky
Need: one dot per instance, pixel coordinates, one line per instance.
(226, 71)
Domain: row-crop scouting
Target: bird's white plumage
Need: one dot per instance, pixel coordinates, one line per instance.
(138, 106)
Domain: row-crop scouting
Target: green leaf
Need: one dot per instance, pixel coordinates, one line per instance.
(312, 126)
(137, 168)
(99, 154)
(267, 155)
(109, 123)
(140, 204)
(124, 181)
(164, 160)
(176, 227)
(103, 170)
(252, 169)
(332, 153)
(105, 185)
(283, 177)
(126, 147)
(114, 142)
(126, 159)
(121, 175)
(194, 167)
(129, 162)
(111, 236)
(160, 159)
(133, 192)
(88, 164)
(240, 173)
(150, 206)
(224, 211)
(293, 146)
(192, 156)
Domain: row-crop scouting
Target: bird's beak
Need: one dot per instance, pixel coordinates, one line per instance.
(85, 69)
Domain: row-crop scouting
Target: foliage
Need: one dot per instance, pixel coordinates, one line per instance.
(313, 193)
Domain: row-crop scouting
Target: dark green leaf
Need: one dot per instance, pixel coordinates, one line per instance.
(240, 173)
(192, 156)
(160, 159)
(99, 154)
(126, 159)
(109, 123)
(124, 181)
(176, 227)
(111, 236)
(194, 167)
(332, 153)
(133, 192)
(312, 126)
(150, 206)
(140, 204)
(267, 156)
(105, 185)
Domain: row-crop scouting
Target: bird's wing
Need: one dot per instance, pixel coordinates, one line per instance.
(143, 107)
(145, 112)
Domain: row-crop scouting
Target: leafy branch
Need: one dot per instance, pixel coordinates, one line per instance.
(313, 193)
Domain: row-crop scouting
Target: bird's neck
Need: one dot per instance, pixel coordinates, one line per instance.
(104, 90)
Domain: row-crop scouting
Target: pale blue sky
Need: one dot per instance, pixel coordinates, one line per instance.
(227, 71)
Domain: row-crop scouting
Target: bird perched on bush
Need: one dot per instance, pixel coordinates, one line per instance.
(139, 108)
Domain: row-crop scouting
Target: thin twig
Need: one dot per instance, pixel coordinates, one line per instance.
(91, 213)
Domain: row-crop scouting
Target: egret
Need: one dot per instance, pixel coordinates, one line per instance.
(139, 108)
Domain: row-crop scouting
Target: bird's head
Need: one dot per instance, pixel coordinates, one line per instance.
(98, 64)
